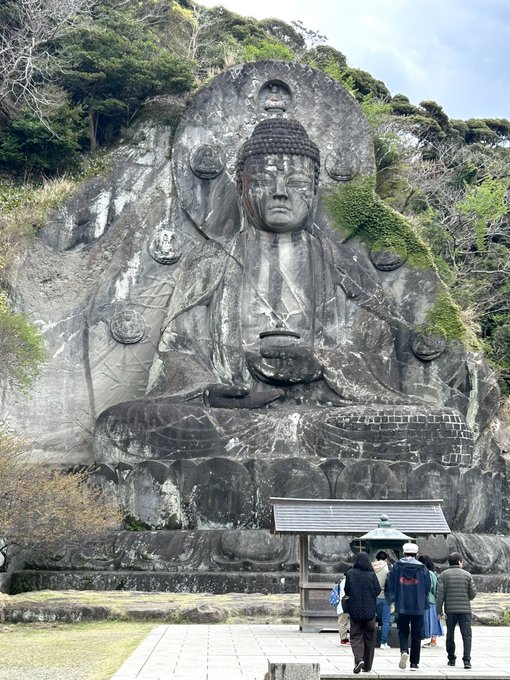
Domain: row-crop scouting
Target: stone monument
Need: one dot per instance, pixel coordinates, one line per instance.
(281, 332)
(286, 364)
(238, 345)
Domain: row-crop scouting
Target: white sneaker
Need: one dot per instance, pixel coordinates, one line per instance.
(403, 661)
(385, 645)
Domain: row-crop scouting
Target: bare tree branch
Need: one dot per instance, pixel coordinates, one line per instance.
(27, 62)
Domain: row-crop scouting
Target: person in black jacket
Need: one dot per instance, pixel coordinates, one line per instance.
(362, 588)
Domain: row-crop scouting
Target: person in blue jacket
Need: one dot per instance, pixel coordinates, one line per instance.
(408, 586)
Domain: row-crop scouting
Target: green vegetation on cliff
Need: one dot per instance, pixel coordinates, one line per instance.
(21, 347)
(356, 211)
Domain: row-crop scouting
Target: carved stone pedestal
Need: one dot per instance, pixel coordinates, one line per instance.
(237, 560)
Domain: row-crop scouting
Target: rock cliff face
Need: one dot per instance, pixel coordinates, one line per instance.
(222, 561)
(83, 271)
(99, 280)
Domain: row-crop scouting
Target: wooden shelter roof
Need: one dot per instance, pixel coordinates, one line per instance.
(347, 517)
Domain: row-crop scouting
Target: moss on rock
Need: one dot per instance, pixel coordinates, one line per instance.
(356, 211)
(444, 319)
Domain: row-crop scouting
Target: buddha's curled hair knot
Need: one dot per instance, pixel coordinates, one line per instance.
(278, 136)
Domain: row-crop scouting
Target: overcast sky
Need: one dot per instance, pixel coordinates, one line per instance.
(456, 52)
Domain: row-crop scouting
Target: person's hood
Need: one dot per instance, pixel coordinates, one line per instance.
(409, 569)
(379, 565)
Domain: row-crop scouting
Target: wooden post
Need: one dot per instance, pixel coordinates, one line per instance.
(303, 580)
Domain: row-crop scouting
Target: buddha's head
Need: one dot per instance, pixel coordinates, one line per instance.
(278, 176)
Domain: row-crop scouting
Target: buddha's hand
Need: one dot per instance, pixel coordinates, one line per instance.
(219, 395)
(284, 365)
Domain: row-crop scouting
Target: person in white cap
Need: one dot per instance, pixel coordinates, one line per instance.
(408, 586)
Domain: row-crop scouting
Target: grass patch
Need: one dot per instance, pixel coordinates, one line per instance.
(26, 206)
(118, 601)
(89, 651)
(106, 598)
(24, 209)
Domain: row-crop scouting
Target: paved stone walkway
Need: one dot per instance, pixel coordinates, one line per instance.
(242, 652)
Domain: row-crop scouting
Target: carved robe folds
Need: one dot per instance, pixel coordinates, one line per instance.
(301, 282)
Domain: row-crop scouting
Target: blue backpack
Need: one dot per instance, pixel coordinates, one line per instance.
(334, 598)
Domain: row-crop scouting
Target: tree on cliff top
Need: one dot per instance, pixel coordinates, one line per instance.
(28, 30)
(111, 65)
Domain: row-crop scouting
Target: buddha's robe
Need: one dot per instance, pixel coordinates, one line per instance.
(224, 299)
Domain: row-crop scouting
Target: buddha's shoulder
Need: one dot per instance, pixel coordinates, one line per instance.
(205, 254)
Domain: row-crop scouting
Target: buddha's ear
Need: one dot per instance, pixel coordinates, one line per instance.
(241, 180)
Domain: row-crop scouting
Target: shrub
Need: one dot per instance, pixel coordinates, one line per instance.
(21, 347)
(43, 509)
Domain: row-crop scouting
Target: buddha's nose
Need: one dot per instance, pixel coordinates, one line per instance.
(281, 187)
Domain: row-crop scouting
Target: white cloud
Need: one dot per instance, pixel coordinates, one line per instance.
(454, 51)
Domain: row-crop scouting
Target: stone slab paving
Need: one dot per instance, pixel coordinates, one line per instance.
(242, 652)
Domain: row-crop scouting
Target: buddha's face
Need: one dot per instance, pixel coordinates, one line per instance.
(278, 192)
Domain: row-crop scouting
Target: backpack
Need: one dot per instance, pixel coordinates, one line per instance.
(334, 597)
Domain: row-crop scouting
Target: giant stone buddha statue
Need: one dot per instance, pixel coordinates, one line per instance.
(279, 341)
(287, 359)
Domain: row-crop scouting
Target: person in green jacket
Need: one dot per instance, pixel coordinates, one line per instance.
(455, 590)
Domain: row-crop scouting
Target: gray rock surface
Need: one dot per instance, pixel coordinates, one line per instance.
(85, 267)
(152, 286)
(293, 671)
(243, 552)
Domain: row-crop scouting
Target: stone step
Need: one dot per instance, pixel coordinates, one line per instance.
(311, 671)
(192, 581)
(165, 581)
(420, 675)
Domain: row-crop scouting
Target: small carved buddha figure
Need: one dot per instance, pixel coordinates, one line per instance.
(284, 323)
(275, 101)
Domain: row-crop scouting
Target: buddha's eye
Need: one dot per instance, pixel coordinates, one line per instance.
(262, 180)
(298, 182)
